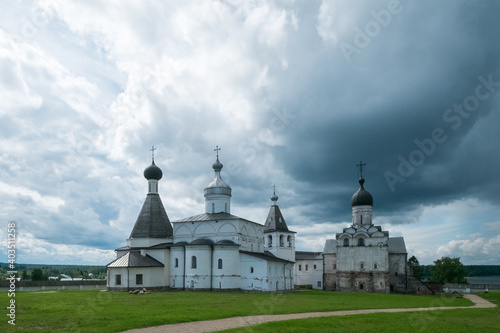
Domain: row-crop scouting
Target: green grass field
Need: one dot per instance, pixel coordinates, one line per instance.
(96, 311)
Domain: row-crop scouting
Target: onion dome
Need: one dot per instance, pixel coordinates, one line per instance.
(153, 172)
(274, 198)
(362, 197)
(217, 185)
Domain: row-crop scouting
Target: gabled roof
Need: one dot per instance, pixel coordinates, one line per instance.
(396, 245)
(152, 221)
(275, 220)
(135, 259)
(330, 246)
(265, 256)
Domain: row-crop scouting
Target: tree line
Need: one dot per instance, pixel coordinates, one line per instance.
(36, 272)
(450, 270)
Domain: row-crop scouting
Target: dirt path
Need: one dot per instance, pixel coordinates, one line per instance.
(227, 323)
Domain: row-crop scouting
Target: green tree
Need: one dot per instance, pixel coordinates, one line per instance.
(418, 271)
(37, 275)
(448, 270)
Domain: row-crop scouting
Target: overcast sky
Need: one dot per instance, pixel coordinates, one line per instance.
(295, 93)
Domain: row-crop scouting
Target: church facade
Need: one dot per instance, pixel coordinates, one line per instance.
(363, 258)
(214, 250)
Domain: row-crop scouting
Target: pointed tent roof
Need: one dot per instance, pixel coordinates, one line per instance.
(275, 220)
(152, 221)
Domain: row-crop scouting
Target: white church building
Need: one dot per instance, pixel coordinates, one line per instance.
(214, 250)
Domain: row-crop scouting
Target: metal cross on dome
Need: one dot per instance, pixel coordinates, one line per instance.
(360, 166)
(274, 189)
(152, 150)
(217, 150)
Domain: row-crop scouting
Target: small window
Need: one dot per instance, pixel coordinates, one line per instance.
(225, 207)
(138, 279)
(396, 274)
(213, 208)
(219, 264)
(270, 241)
(289, 241)
(361, 286)
(251, 269)
(361, 219)
(362, 265)
(193, 262)
(176, 262)
(334, 266)
(346, 242)
(314, 266)
(118, 279)
(300, 267)
(319, 284)
(361, 242)
(307, 267)
(282, 240)
(375, 266)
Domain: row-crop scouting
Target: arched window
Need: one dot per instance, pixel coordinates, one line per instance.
(361, 286)
(362, 266)
(251, 269)
(361, 241)
(346, 241)
(193, 262)
(375, 266)
(219, 264)
(270, 241)
(282, 240)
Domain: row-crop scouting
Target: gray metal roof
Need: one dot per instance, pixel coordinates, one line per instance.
(330, 246)
(303, 255)
(152, 221)
(266, 256)
(396, 245)
(135, 259)
(211, 217)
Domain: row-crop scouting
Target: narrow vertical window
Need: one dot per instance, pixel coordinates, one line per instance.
(193, 262)
(270, 241)
(213, 208)
(219, 264)
(176, 262)
(289, 241)
(138, 279)
(251, 269)
(307, 266)
(300, 267)
(118, 279)
(282, 240)
(346, 242)
(225, 207)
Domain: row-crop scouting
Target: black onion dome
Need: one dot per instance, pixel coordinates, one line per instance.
(153, 172)
(362, 197)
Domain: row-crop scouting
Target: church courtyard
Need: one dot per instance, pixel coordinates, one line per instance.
(99, 311)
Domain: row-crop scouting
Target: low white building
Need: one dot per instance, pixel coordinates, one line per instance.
(308, 269)
(212, 250)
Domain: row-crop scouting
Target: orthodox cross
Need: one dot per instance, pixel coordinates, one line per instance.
(274, 189)
(360, 166)
(152, 150)
(217, 150)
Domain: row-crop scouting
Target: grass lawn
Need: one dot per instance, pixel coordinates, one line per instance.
(96, 311)
(452, 321)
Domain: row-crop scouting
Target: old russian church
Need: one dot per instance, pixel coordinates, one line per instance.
(212, 250)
